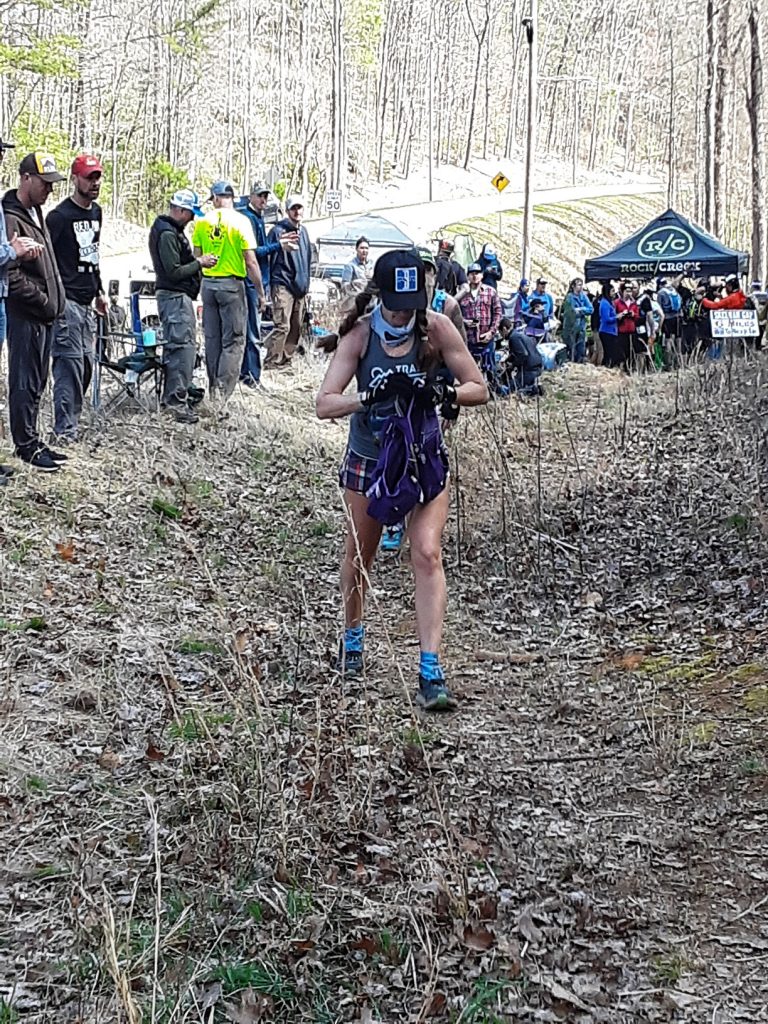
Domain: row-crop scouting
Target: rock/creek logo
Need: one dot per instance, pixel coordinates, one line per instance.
(665, 243)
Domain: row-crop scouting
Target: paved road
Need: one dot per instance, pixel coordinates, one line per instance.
(419, 220)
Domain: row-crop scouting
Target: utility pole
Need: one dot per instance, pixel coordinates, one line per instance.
(430, 87)
(531, 31)
(671, 169)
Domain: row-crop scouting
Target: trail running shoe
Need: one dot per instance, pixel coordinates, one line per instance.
(42, 461)
(434, 695)
(392, 538)
(349, 663)
(56, 456)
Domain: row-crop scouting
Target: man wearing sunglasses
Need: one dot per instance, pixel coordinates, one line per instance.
(75, 229)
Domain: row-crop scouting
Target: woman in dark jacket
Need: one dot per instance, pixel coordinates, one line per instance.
(489, 261)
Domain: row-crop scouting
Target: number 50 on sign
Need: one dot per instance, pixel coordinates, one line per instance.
(332, 201)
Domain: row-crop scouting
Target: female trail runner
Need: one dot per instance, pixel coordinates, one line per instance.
(396, 354)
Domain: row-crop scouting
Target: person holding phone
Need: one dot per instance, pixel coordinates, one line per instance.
(481, 311)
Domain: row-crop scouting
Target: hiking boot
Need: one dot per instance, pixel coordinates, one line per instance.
(42, 461)
(434, 695)
(56, 456)
(180, 413)
(348, 663)
(185, 416)
(392, 538)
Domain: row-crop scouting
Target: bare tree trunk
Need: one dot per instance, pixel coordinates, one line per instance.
(479, 34)
(710, 189)
(757, 128)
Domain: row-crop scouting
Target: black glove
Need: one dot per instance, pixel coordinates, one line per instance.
(396, 385)
(441, 394)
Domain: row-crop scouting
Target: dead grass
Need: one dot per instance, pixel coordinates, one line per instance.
(200, 823)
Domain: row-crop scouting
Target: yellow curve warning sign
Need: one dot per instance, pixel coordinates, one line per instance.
(500, 182)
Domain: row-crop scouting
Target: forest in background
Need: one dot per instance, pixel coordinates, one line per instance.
(318, 94)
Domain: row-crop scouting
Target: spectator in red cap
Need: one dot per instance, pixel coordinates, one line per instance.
(75, 229)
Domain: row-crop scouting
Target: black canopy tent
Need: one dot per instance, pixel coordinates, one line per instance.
(667, 245)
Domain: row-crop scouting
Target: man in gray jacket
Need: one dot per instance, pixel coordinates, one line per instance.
(289, 276)
(177, 280)
(35, 300)
(11, 251)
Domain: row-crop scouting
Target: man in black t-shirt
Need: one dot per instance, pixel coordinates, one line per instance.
(75, 230)
(451, 277)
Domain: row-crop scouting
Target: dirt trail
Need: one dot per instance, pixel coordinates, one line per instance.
(197, 816)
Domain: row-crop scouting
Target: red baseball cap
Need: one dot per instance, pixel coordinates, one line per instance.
(84, 165)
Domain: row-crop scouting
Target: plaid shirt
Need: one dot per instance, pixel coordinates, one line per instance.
(485, 308)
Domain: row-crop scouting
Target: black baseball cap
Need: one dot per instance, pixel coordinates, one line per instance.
(43, 166)
(6, 145)
(399, 276)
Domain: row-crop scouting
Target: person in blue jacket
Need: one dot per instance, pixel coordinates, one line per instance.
(253, 208)
(609, 328)
(547, 302)
(577, 306)
(492, 269)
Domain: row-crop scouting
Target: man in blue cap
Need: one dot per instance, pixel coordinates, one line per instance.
(178, 275)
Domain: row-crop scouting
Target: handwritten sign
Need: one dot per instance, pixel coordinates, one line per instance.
(734, 323)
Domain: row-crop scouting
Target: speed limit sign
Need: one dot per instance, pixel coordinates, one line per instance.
(332, 201)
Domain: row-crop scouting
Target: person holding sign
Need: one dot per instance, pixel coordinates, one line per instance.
(734, 297)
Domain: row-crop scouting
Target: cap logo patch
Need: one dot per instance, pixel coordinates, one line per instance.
(406, 279)
(46, 164)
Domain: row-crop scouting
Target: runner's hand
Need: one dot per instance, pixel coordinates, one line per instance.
(443, 395)
(208, 260)
(396, 385)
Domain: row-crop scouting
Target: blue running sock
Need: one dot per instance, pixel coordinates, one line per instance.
(353, 639)
(430, 668)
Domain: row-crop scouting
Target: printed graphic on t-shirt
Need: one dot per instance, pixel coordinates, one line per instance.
(380, 373)
(86, 235)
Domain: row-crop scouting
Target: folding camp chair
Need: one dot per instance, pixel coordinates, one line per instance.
(128, 367)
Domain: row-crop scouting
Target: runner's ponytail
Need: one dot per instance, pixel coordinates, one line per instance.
(330, 342)
(426, 359)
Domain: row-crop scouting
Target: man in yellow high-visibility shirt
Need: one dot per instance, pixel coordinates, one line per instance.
(228, 235)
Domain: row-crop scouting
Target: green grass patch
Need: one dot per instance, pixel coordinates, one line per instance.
(165, 509)
(668, 970)
(194, 726)
(298, 903)
(703, 734)
(756, 700)
(738, 522)
(753, 767)
(189, 645)
(7, 1013)
(320, 529)
(36, 785)
(261, 976)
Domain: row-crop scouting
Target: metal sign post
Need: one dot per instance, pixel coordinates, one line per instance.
(333, 204)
